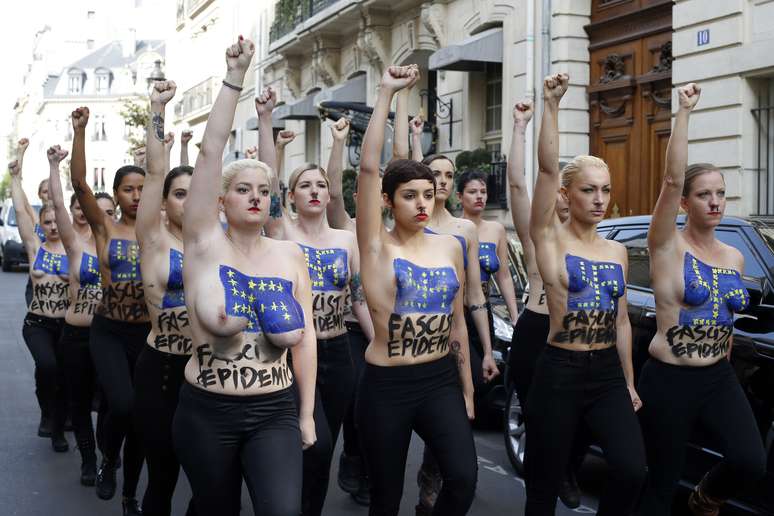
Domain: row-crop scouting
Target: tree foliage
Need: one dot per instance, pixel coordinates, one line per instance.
(135, 114)
(348, 187)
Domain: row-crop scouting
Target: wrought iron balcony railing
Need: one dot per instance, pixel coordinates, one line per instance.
(290, 13)
(197, 99)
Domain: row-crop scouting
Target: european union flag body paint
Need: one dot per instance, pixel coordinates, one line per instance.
(424, 290)
(463, 243)
(51, 263)
(488, 259)
(89, 273)
(174, 295)
(328, 268)
(593, 285)
(266, 302)
(124, 260)
(713, 294)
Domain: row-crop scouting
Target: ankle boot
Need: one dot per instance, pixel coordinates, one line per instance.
(131, 507)
(702, 504)
(106, 480)
(45, 428)
(59, 443)
(89, 471)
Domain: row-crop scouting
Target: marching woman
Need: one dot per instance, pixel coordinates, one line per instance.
(585, 374)
(120, 324)
(530, 332)
(333, 261)
(45, 316)
(249, 299)
(160, 368)
(85, 295)
(417, 375)
(695, 307)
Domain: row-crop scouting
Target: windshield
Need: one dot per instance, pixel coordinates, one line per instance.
(12, 214)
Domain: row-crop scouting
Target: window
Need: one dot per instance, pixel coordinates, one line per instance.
(90, 44)
(69, 126)
(636, 242)
(95, 183)
(494, 97)
(752, 266)
(764, 117)
(99, 128)
(90, 15)
(103, 81)
(75, 82)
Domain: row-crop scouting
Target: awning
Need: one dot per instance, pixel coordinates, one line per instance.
(472, 54)
(304, 109)
(353, 90)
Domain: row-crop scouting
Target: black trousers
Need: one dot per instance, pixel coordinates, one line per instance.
(357, 347)
(528, 342)
(221, 439)
(42, 335)
(675, 400)
(79, 371)
(158, 377)
(334, 392)
(426, 398)
(115, 347)
(571, 387)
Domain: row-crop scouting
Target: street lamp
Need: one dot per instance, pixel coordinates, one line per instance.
(157, 74)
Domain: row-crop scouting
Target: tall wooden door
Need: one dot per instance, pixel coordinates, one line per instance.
(630, 97)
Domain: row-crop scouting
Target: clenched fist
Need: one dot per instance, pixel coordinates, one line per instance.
(80, 118)
(555, 86)
(417, 124)
(522, 112)
(340, 129)
(688, 96)
(14, 169)
(396, 78)
(238, 57)
(285, 137)
(162, 92)
(251, 152)
(169, 141)
(56, 154)
(186, 136)
(265, 102)
(21, 147)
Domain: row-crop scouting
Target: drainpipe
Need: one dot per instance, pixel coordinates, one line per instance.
(529, 146)
(545, 47)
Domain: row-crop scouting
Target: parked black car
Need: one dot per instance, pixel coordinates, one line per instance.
(752, 353)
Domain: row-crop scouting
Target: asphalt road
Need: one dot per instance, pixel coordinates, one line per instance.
(35, 481)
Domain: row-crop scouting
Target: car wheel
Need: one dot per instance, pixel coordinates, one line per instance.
(514, 432)
(7, 265)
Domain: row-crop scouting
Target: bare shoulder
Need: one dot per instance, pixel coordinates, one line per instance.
(616, 250)
(343, 237)
(466, 228)
(285, 249)
(733, 255)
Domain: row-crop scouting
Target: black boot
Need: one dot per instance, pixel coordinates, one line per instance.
(59, 443)
(45, 428)
(131, 507)
(89, 471)
(569, 492)
(106, 480)
(363, 495)
(350, 473)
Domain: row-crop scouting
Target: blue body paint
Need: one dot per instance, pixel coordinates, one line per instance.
(267, 303)
(593, 285)
(488, 259)
(424, 290)
(463, 243)
(89, 274)
(39, 232)
(124, 260)
(713, 293)
(174, 295)
(51, 263)
(328, 268)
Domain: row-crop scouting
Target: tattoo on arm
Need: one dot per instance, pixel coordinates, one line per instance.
(356, 289)
(454, 349)
(275, 208)
(158, 126)
(475, 308)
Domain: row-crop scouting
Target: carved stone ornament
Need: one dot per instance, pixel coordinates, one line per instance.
(371, 44)
(325, 64)
(293, 77)
(665, 59)
(432, 16)
(613, 68)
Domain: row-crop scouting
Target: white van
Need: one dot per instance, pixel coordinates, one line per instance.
(12, 251)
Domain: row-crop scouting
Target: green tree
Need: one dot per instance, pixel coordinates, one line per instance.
(5, 185)
(134, 111)
(348, 189)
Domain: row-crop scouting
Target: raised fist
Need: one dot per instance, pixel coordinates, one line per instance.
(21, 147)
(162, 92)
(396, 78)
(186, 136)
(56, 154)
(285, 137)
(522, 112)
(13, 168)
(239, 55)
(169, 141)
(340, 129)
(417, 124)
(251, 152)
(688, 95)
(265, 102)
(554, 86)
(80, 117)
(139, 156)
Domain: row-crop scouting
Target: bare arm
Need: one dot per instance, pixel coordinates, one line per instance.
(185, 137)
(477, 304)
(201, 222)
(623, 342)
(359, 306)
(459, 347)
(504, 278)
(148, 222)
(663, 230)
(520, 205)
(400, 143)
(25, 223)
(417, 125)
(21, 149)
(544, 201)
(336, 211)
(91, 210)
(63, 222)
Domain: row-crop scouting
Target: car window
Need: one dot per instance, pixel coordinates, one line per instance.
(636, 242)
(752, 266)
(12, 216)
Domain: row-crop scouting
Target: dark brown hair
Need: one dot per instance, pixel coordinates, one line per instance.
(401, 171)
